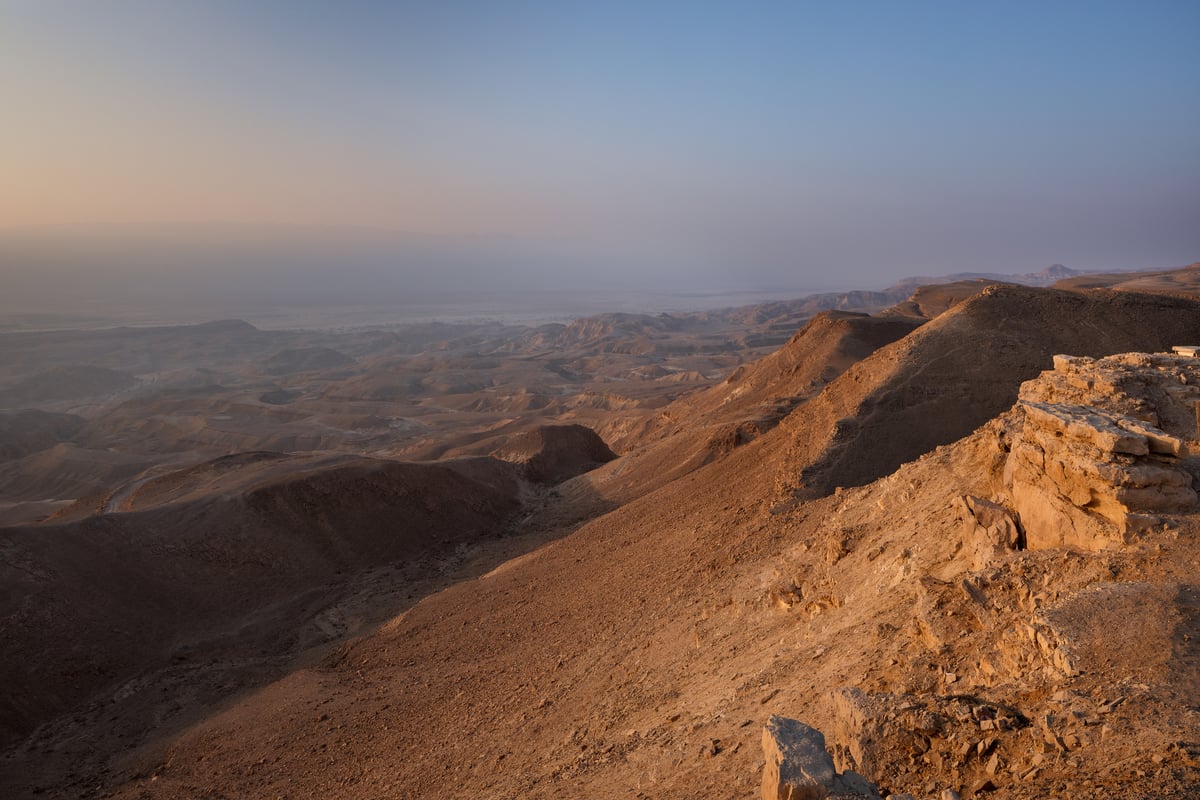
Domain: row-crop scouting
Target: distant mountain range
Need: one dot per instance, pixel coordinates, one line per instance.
(1047, 277)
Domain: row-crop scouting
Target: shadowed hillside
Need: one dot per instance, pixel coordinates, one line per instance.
(956, 372)
(232, 553)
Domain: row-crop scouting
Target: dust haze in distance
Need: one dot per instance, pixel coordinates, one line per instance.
(225, 268)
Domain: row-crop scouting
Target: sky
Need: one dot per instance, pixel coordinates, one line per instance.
(749, 144)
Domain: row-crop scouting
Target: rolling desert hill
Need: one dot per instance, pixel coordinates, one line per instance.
(966, 560)
(851, 420)
(820, 351)
(72, 382)
(1046, 277)
(1184, 282)
(30, 430)
(929, 300)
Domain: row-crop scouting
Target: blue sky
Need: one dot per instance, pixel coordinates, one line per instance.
(791, 144)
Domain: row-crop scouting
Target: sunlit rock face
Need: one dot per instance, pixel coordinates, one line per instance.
(1105, 449)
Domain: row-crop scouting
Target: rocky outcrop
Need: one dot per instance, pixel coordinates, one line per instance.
(1101, 452)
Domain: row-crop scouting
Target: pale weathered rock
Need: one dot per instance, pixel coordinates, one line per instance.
(1159, 441)
(1158, 389)
(1087, 425)
(1099, 454)
(989, 530)
(798, 767)
(858, 733)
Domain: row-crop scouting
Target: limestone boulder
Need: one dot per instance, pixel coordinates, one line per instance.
(798, 767)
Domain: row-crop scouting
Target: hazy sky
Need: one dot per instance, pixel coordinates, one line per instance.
(791, 143)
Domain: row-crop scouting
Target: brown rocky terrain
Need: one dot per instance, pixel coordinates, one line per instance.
(965, 558)
(230, 549)
(188, 394)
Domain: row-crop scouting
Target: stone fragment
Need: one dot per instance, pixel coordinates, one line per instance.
(985, 785)
(989, 530)
(1056, 742)
(1064, 363)
(950, 794)
(798, 767)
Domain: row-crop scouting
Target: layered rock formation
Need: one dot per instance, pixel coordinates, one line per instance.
(1102, 449)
